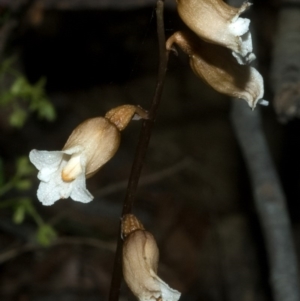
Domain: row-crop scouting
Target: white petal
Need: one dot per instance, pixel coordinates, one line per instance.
(167, 293)
(41, 159)
(46, 173)
(52, 187)
(263, 102)
(48, 193)
(53, 190)
(240, 26)
(79, 192)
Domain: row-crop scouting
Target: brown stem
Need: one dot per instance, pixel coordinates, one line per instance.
(141, 148)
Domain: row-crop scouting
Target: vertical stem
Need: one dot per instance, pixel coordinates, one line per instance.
(148, 124)
(142, 147)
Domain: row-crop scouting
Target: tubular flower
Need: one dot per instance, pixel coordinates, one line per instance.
(215, 65)
(89, 147)
(140, 261)
(219, 23)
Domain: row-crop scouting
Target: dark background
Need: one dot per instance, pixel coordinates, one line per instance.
(198, 204)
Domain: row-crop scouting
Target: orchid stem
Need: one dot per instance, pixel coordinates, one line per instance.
(141, 150)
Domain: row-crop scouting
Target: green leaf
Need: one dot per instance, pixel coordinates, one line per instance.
(45, 235)
(24, 167)
(23, 185)
(47, 111)
(19, 214)
(6, 98)
(20, 87)
(18, 118)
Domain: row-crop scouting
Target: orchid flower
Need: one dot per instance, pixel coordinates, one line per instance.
(216, 66)
(140, 262)
(89, 147)
(219, 23)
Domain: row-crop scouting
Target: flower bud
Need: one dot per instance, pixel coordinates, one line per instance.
(99, 140)
(215, 66)
(89, 147)
(219, 23)
(121, 116)
(140, 262)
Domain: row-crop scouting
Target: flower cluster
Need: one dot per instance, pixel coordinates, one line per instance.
(89, 147)
(220, 48)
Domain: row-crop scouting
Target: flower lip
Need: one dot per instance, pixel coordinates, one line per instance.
(72, 170)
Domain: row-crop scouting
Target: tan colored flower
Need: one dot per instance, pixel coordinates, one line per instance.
(219, 23)
(121, 116)
(215, 65)
(89, 147)
(140, 261)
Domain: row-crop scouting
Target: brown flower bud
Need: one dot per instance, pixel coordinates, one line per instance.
(121, 116)
(140, 261)
(99, 140)
(217, 22)
(215, 65)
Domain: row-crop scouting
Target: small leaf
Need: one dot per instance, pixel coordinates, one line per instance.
(19, 87)
(19, 214)
(46, 110)
(24, 167)
(23, 185)
(18, 118)
(46, 235)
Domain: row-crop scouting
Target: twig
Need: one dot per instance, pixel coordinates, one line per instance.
(141, 148)
(270, 203)
(285, 71)
(145, 180)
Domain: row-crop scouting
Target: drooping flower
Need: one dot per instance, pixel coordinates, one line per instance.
(140, 262)
(89, 147)
(216, 66)
(219, 23)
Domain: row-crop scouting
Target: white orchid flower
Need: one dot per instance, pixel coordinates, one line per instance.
(89, 147)
(63, 173)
